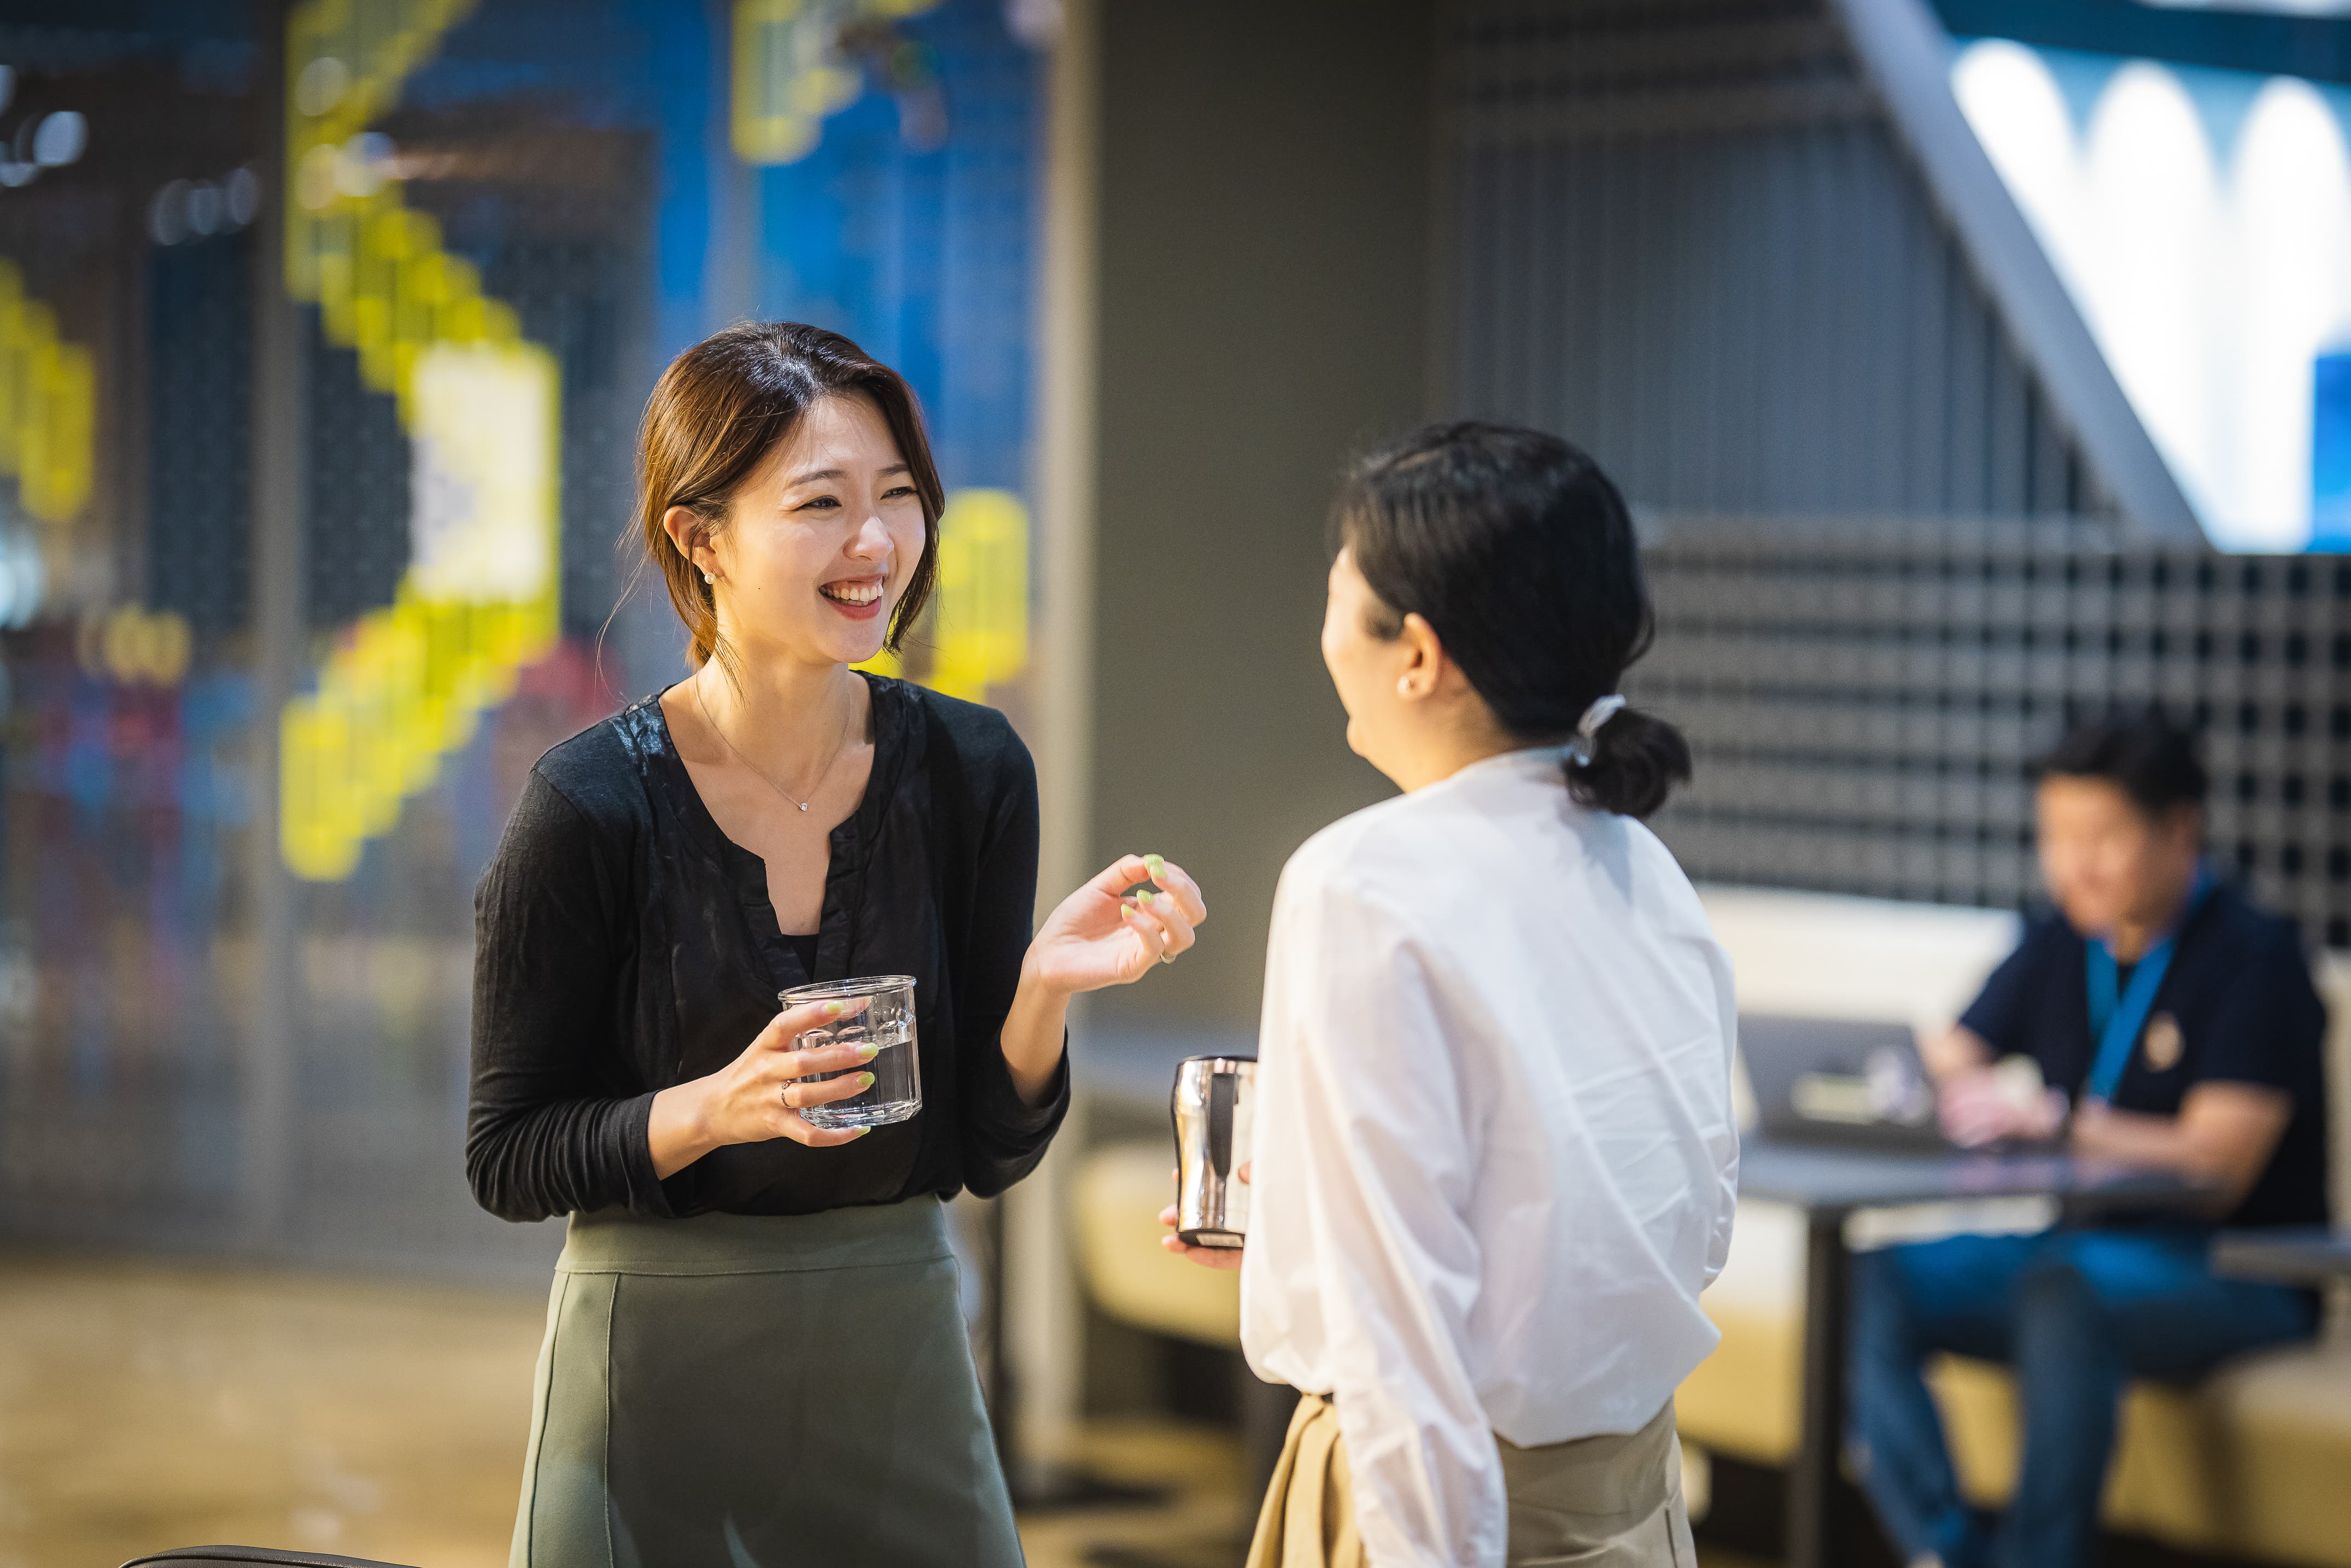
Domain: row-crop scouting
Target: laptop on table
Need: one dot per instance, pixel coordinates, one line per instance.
(1838, 1082)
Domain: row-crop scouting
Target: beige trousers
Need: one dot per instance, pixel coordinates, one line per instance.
(1596, 1503)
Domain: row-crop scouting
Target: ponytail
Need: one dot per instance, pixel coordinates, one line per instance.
(1635, 760)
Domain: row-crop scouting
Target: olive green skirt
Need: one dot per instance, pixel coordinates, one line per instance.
(752, 1392)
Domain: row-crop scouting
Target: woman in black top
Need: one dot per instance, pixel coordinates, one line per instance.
(754, 1350)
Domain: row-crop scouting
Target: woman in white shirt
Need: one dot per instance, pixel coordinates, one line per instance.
(1494, 1158)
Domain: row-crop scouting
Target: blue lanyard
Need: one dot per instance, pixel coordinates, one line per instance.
(2117, 1014)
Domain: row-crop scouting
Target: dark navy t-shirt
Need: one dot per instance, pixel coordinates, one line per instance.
(2236, 1006)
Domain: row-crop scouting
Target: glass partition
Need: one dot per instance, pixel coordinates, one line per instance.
(323, 333)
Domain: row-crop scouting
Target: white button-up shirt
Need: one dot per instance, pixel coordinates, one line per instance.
(1494, 1158)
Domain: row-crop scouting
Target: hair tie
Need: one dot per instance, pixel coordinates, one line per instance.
(1588, 727)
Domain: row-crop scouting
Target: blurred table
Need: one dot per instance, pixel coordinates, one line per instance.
(2290, 1255)
(1831, 1185)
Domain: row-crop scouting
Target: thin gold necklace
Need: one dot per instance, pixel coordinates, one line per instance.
(839, 746)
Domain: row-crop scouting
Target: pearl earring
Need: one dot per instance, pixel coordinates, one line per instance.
(706, 577)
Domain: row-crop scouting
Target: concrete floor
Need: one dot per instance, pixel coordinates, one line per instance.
(146, 1406)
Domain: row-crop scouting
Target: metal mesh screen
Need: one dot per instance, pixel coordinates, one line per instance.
(1864, 698)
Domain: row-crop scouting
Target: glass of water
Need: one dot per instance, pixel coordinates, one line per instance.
(888, 1022)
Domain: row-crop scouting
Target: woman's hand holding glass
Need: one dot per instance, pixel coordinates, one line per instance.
(1102, 934)
(760, 1094)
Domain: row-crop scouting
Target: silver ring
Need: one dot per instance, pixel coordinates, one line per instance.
(1166, 957)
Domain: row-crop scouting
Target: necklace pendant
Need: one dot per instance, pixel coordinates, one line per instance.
(803, 805)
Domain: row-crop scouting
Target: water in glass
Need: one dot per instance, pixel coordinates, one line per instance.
(888, 1022)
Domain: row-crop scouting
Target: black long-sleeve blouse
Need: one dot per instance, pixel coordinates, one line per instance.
(625, 945)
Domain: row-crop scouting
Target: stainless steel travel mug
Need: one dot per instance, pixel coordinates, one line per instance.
(1212, 1143)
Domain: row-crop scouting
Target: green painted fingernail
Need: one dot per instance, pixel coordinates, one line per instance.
(1144, 899)
(864, 1081)
(833, 1007)
(868, 1051)
(1154, 865)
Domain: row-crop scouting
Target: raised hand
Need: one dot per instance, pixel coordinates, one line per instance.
(1103, 936)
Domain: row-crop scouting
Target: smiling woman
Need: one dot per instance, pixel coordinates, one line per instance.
(755, 1351)
(714, 435)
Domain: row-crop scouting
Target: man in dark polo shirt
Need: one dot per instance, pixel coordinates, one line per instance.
(2174, 1025)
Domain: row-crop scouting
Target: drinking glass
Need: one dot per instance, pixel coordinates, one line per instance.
(888, 1021)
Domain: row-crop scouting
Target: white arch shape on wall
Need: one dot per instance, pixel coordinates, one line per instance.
(2208, 290)
(2012, 101)
(2291, 182)
(2154, 223)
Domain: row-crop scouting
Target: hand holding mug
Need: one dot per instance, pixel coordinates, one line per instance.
(1225, 1258)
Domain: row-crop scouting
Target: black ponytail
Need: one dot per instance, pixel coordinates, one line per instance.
(1517, 550)
(1637, 760)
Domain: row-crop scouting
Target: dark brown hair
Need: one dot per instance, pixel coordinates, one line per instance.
(723, 407)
